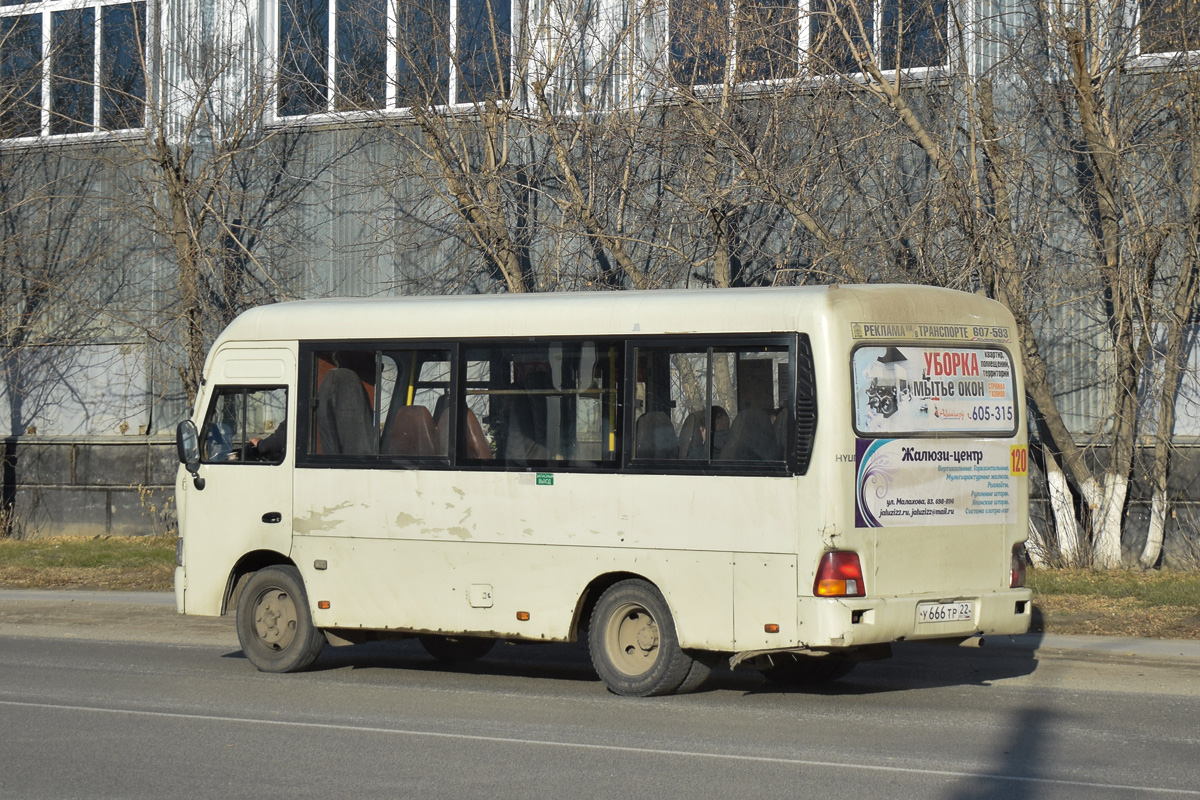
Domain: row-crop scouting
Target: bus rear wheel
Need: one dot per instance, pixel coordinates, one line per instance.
(456, 648)
(633, 643)
(800, 671)
(274, 624)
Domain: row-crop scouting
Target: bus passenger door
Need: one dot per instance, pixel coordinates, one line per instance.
(246, 447)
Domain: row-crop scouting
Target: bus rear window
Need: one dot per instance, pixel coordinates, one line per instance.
(924, 390)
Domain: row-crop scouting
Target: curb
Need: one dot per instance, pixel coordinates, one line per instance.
(1188, 649)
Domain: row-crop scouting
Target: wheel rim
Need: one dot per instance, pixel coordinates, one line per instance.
(275, 619)
(632, 640)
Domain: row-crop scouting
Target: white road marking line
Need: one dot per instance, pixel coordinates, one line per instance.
(798, 762)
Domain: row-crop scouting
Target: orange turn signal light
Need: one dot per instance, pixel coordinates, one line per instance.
(523, 616)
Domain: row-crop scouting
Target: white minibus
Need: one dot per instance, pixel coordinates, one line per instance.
(788, 479)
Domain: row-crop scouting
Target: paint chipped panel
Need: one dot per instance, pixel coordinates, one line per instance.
(433, 586)
(406, 520)
(323, 520)
(656, 511)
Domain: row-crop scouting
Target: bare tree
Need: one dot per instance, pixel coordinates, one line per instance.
(63, 281)
(1092, 146)
(205, 176)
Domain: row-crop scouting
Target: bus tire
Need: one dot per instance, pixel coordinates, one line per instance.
(456, 648)
(702, 664)
(633, 644)
(274, 624)
(801, 671)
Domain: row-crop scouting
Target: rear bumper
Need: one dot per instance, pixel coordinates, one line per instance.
(852, 622)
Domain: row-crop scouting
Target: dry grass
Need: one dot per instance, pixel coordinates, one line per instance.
(145, 563)
(1161, 604)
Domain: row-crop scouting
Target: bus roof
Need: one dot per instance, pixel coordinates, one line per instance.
(677, 311)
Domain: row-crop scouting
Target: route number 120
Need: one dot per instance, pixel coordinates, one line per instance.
(1018, 459)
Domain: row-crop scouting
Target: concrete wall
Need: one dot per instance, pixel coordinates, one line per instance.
(91, 486)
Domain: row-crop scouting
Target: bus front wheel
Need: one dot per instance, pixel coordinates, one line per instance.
(274, 624)
(633, 643)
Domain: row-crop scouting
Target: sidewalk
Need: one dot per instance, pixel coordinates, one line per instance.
(1109, 645)
(108, 616)
(150, 616)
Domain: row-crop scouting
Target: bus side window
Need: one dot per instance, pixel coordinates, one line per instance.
(343, 417)
(671, 395)
(477, 437)
(727, 404)
(541, 404)
(238, 418)
(414, 391)
(654, 436)
(751, 438)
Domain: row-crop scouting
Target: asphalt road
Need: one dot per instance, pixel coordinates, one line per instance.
(113, 696)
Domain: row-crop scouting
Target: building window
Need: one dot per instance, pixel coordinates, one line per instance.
(699, 41)
(68, 67)
(590, 54)
(423, 53)
(713, 41)
(338, 55)
(1168, 26)
(751, 40)
(912, 34)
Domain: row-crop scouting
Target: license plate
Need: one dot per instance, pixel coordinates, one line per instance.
(944, 612)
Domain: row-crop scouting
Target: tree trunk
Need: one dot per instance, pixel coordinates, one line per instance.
(1152, 550)
(173, 168)
(1179, 316)
(1106, 542)
(477, 195)
(1062, 506)
(1100, 186)
(578, 206)
(1038, 548)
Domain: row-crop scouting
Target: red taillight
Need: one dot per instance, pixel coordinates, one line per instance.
(1016, 578)
(840, 575)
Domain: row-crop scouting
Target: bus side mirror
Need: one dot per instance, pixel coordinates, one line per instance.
(187, 445)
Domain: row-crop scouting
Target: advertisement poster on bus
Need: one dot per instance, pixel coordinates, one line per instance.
(905, 482)
(928, 389)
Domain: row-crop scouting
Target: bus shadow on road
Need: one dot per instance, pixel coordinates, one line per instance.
(919, 665)
(556, 661)
(914, 665)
